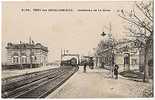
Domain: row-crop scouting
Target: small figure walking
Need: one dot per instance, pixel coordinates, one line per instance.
(116, 71)
(84, 68)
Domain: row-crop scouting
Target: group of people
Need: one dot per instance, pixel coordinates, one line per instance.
(84, 68)
(90, 64)
(114, 70)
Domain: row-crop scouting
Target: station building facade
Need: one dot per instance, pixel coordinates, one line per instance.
(26, 55)
(128, 55)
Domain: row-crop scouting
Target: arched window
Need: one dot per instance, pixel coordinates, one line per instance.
(24, 59)
(126, 58)
(15, 60)
(34, 58)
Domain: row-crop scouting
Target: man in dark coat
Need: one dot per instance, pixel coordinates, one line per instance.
(84, 68)
(116, 71)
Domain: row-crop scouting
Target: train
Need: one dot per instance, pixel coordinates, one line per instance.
(71, 62)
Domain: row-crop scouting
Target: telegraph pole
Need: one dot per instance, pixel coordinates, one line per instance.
(30, 52)
(61, 57)
(112, 49)
(20, 47)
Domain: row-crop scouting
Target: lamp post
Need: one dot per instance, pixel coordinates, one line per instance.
(111, 48)
(103, 34)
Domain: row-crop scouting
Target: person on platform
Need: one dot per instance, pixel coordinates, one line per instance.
(84, 68)
(116, 67)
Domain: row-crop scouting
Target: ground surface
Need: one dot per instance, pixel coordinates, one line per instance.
(98, 83)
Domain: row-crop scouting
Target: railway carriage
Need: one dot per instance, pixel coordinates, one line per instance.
(70, 62)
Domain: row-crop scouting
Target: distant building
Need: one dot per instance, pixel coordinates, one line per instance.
(26, 54)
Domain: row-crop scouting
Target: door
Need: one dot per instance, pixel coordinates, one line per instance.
(126, 61)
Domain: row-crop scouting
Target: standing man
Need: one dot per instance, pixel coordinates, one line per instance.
(84, 68)
(116, 71)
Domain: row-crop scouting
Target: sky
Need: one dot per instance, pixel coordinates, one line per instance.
(77, 31)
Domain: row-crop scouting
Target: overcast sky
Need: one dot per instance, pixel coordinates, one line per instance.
(79, 32)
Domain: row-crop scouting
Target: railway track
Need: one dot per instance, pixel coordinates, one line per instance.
(17, 81)
(36, 85)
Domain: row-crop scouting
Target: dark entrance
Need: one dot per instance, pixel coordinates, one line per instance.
(126, 61)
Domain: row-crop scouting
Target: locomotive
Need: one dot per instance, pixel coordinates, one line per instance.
(70, 62)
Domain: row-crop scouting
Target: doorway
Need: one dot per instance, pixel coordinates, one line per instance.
(126, 61)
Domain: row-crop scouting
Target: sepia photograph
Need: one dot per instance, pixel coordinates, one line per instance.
(77, 49)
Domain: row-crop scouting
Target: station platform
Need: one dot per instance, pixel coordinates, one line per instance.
(98, 83)
(15, 72)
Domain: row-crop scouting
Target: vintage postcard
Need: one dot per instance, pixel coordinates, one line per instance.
(80, 49)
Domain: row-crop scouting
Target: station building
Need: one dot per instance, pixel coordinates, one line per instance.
(26, 55)
(129, 55)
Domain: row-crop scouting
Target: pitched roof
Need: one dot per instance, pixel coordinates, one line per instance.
(26, 46)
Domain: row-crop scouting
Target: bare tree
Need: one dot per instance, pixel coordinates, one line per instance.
(140, 20)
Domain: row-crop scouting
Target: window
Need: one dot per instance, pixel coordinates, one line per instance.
(15, 60)
(24, 59)
(34, 58)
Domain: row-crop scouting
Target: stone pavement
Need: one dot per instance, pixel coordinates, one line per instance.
(15, 72)
(97, 83)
